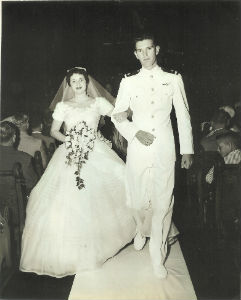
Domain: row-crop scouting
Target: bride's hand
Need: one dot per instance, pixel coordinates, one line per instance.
(120, 117)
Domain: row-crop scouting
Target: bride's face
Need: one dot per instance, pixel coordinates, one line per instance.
(78, 83)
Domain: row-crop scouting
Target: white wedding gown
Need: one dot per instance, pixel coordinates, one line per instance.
(68, 230)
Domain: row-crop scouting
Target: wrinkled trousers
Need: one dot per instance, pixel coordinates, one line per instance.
(155, 220)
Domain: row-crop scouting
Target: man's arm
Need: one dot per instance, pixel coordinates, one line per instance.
(184, 123)
(119, 115)
(120, 119)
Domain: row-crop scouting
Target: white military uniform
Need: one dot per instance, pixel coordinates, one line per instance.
(150, 94)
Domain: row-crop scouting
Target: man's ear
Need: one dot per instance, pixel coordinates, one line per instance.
(157, 49)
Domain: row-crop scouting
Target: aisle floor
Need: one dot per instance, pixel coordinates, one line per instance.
(129, 275)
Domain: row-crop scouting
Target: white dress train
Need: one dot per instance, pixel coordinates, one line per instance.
(68, 230)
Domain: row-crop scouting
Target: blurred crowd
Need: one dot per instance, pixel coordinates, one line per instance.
(21, 136)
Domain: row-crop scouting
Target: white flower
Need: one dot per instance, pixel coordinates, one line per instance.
(79, 142)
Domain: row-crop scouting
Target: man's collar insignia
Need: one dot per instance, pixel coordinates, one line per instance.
(168, 70)
(132, 73)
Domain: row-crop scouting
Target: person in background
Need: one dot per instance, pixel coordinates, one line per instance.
(9, 155)
(229, 148)
(236, 120)
(36, 125)
(220, 123)
(27, 143)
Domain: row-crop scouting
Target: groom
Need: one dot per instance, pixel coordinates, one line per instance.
(150, 94)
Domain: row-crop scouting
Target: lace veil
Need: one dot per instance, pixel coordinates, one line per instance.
(95, 89)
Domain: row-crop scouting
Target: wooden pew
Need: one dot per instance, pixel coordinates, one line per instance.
(6, 263)
(201, 195)
(13, 195)
(227, 200)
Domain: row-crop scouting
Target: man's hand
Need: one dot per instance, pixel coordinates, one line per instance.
(120, 117)
(145, 138)
(187, 160)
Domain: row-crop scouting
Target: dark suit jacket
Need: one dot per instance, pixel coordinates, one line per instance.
(9, 156)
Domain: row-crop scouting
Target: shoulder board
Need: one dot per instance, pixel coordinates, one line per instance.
(172, 71)
(132, 73)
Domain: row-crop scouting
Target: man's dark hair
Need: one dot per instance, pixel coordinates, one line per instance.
(20, 118)
(144, 36)
(7, 131)
(230, 137)
(221, 117)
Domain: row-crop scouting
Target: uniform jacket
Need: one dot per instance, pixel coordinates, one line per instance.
(151, 94)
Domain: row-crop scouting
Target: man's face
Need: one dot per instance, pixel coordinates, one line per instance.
(146, 53)
(224, 148)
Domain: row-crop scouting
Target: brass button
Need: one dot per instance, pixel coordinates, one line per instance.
(151, 76)
(152, 102)
(153, 129)
(152, 116)
(152, 89)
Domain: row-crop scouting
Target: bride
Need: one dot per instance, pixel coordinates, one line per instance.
(76, 214)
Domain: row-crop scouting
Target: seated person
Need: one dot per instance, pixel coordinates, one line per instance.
(230, 149)
(28, 143)
(9, 155)
(229, 109)
(37, 127)
(219, 124)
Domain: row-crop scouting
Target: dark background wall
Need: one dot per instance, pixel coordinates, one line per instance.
(40, 40)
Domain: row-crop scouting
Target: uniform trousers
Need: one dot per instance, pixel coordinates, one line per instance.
(155, 219)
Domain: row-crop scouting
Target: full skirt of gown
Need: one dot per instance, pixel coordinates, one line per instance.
(68, 230)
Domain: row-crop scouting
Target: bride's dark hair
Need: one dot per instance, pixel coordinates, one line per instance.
(77, 70)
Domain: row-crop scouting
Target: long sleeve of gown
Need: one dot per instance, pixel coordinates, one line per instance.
(126, 128)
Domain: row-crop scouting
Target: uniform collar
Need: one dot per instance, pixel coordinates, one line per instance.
(153, 71)
(36, 131)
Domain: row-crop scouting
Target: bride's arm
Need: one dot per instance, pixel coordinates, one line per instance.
(55, 131)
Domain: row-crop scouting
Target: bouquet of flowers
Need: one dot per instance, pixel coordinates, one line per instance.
(79, 142)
